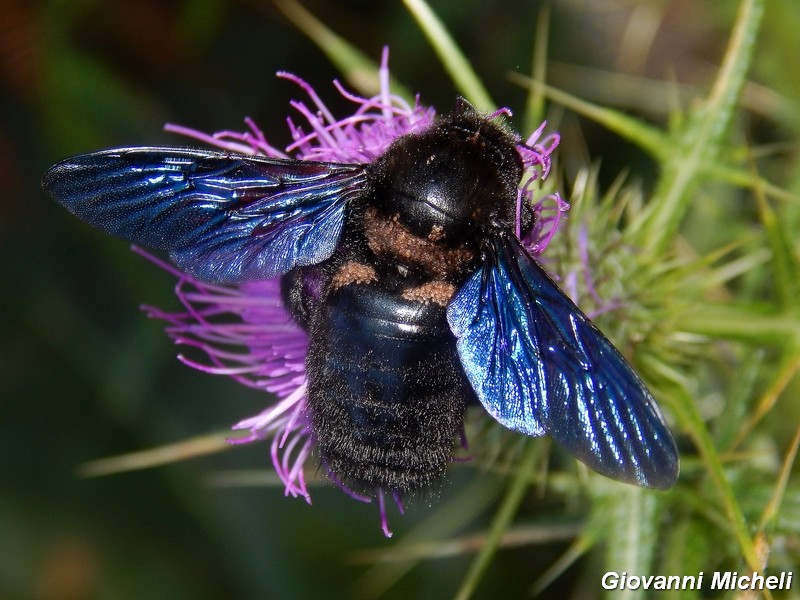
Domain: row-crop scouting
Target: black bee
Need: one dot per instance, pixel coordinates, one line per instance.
(413, 285)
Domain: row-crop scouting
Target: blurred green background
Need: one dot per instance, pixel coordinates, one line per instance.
(83, 374)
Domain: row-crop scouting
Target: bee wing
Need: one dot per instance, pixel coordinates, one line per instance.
(224, 217)
(539, 365)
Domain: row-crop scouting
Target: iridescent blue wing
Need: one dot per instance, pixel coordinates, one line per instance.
(224, 217)
(539, 366)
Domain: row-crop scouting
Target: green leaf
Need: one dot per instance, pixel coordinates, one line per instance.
(358, 70)
(466, 80)
(702, 136)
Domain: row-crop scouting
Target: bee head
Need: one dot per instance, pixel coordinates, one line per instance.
(451, 180)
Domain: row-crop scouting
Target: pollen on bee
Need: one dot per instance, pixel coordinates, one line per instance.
(436, 234)
(391, 237)
(353, 272)
(438, 292)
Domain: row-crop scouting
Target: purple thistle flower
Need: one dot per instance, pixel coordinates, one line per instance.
(246, 333)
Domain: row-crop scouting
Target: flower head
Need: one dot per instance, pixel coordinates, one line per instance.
(245, 332)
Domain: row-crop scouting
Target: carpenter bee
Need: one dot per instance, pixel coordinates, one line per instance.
(409, 276)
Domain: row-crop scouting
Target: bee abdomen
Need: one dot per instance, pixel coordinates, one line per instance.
(386, 389)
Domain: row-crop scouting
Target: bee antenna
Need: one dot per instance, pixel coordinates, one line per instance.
(463, 106)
